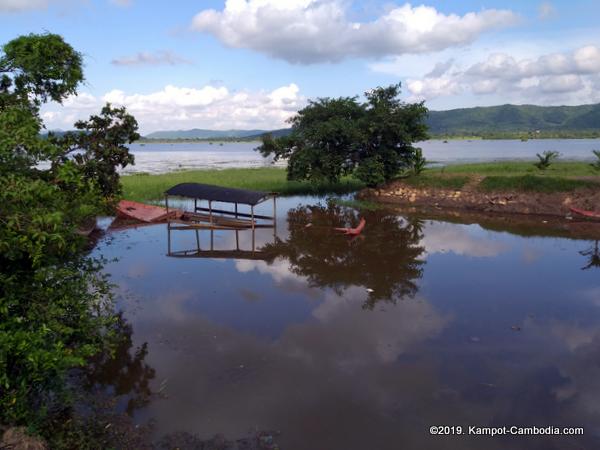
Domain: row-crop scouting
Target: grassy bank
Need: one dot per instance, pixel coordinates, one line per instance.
(144, 187)
(499, 176)
(518, 176)
(514, 168)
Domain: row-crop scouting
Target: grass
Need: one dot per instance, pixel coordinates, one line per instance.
(144, 187)
(364, 205)
(499, 176)
(512, 168)
(532, 183)
(431, 180)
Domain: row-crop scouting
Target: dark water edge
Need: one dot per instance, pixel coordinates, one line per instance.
(319, 341)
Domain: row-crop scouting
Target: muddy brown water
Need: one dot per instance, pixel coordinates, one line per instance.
(365, 343)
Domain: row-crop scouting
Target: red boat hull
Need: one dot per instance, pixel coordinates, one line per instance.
(142, 212)
(584, 213)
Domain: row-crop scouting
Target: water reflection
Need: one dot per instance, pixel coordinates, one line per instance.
(123, 372)
(385, 259)
(495, 329)
(593, 256)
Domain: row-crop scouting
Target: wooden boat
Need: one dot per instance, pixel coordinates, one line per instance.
(144, 213)
(354, 231)
(589, 214)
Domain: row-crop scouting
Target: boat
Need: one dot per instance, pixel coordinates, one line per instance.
(128, 209)
(585, 213)
(354, 231)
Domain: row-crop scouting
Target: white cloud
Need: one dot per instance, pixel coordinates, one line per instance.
(568, 77)
(22, 5)
(445, 238)
(214, 107)
(162, 57)
(546, 10)
(311, 31)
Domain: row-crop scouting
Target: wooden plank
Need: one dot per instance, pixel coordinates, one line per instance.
(233, 213)
(217, 219)
(220, 254)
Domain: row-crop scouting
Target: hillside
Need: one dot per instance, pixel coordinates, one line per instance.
(504, 121)
(514, 119)
(197, 133)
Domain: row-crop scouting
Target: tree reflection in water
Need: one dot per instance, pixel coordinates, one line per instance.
(385, 258)
(123, 372)
(593, 255)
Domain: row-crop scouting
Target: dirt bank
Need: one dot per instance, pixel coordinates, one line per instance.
(470, 198)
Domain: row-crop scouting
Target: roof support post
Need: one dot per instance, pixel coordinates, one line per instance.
(168, 240)
(252, 219)
(275, 215)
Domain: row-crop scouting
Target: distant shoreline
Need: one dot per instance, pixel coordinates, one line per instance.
(512, 137)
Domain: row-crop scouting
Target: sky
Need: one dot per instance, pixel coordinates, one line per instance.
(251, 64)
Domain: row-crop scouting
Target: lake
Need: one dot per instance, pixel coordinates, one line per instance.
(365, 343)
(158, 158)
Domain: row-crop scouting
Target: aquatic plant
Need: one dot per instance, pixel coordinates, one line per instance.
(419, 161)
(596, 164)
(546, 159)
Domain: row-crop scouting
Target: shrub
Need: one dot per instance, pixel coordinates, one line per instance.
(596, 164)
(546, 159)
(419, 162)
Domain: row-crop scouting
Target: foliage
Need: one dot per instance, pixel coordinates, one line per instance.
(331, 138)
(596, 164)
(546, 159)
(371, 171)
(419, 162)
(100, 148)
(37, 68)
(55, 307)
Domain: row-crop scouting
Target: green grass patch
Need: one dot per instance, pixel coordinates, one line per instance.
(146, 187)
(532, 183)
(429, 180)
(509, 168)
(364, 205)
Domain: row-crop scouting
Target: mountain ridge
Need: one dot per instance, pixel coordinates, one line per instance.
(475, 121)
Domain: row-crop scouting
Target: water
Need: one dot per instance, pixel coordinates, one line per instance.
(158, 158)
(364, 343)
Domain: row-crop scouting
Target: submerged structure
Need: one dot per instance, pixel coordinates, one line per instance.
(201, 199)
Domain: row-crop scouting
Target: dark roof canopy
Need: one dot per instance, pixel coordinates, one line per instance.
(218, 193)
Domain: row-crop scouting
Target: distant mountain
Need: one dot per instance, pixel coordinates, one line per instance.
(275, 133)
(514, 118)
(197, 133)
(485, 121)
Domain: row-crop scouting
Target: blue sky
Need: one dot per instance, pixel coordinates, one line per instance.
(253, 63)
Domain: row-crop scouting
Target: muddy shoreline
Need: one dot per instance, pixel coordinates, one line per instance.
(471, 199)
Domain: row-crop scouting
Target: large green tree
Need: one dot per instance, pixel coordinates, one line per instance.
(55, 306)
(372, 140)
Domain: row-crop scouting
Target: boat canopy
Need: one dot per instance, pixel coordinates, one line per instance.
(218, 194)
